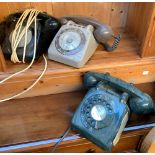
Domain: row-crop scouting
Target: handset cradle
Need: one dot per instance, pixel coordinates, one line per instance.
(102, 33)
(139, 102)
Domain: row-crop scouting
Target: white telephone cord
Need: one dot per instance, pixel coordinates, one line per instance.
(16, 38)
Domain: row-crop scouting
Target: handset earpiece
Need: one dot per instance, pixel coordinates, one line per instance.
(89, 80)
(139, 102)
(141, 105)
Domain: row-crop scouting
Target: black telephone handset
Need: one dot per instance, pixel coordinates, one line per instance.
(102, 32)
(103, 113)
(47, 27)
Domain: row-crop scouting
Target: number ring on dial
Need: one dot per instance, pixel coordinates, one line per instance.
(78, 48)
(88, 120)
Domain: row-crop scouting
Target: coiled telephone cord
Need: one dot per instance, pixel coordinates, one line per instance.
(117, 39)
(17, 35)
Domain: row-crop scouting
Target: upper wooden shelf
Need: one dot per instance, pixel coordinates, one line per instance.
(125, 53)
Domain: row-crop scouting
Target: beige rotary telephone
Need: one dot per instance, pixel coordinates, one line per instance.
(73, 45)
(78, 38)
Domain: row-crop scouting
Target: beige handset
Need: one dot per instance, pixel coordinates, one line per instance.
(73, 45)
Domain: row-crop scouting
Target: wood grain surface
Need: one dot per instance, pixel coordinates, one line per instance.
(104, 12)
(140, 24)
(47, 117)
(124, 63)
(148, 144)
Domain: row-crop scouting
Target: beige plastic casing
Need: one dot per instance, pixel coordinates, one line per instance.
(80, 58)
(122, 126)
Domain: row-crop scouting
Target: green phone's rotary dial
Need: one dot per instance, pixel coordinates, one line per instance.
(96, 112)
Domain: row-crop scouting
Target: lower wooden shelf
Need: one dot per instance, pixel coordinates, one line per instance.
(25, 122)
(129, 142)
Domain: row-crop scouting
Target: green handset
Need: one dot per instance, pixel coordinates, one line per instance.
(139, 102)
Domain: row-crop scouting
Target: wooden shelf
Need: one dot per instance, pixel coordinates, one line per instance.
(44, 114)
(123, 63)
(127, 51)
(47, 117)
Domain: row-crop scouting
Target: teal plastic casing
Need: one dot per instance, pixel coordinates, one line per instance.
(103, 132)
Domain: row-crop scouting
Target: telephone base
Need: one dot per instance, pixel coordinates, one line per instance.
(73, 45)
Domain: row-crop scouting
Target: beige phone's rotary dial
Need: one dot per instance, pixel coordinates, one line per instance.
(70, 41)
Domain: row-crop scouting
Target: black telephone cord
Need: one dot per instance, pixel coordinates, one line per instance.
(60, 140)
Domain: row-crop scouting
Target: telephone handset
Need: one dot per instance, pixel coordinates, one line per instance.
(139, 102)
(104, 111)
(47, 27)
(102, 32)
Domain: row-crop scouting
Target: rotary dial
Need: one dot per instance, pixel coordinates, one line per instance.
(96, 112)
(70, 41)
